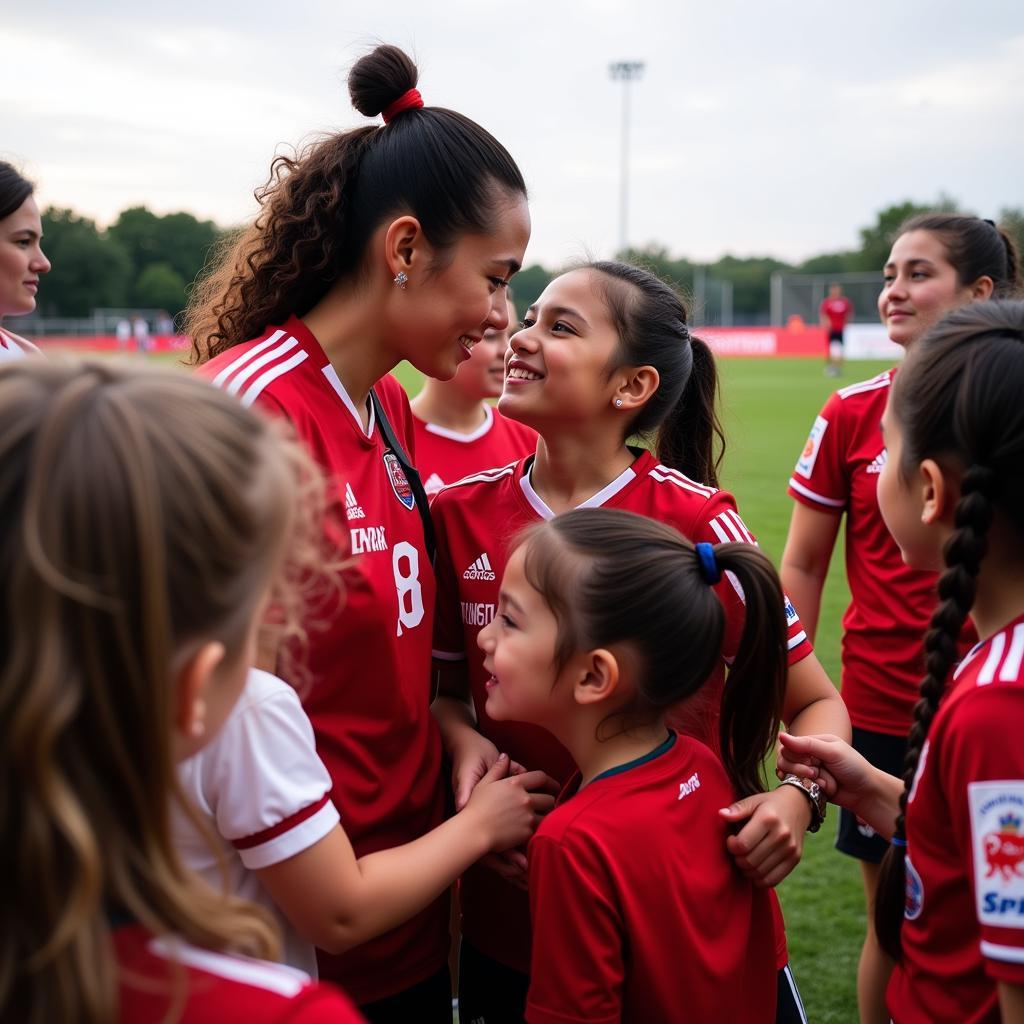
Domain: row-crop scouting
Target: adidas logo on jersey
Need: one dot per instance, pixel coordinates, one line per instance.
(433, 484)
(879, 461)
(353, 510)
(480, 569)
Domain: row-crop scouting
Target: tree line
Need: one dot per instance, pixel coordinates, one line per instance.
(147, 261)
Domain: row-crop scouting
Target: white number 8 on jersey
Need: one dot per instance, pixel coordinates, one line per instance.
(405, 563)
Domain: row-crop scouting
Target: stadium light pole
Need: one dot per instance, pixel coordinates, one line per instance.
(625, 71)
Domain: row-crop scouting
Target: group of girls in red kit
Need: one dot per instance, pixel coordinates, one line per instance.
(601, 623)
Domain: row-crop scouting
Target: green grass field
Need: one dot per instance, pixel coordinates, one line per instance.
(768, 406)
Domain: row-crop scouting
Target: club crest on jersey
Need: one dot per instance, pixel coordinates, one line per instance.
(997, 832)
(399, 481)
(805, 465)
(914, 892)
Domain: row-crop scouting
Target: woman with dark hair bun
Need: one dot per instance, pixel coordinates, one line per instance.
(21, 256)
(372, 246)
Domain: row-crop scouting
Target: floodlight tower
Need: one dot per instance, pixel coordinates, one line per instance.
(625, 71)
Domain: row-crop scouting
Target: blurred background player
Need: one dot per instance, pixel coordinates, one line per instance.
(938, 262)
(951, 894)
(835, 310)
(21, 256)
(458, 431)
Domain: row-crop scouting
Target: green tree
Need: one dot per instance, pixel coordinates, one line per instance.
(160, 287)
(88, 269)
(527, 286)
(1012, 219)
(876, 240)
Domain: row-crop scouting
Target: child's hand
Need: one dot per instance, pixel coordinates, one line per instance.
(509, 806)
(770, 842)
(471, 760)
(842, 773)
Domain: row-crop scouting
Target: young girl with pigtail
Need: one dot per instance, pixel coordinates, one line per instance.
(605, 354)
(606, 620)
(147, 522)
(950, 903)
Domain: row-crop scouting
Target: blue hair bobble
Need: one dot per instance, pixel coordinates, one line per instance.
(896, 841)
(708, 563)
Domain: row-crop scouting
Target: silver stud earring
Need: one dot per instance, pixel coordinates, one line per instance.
(618, 403)
(401, 279)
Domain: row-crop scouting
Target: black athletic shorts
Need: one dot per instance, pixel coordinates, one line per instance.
(854, 837)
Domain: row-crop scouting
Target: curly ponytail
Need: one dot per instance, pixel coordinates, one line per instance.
(320, 208)
(957, 401)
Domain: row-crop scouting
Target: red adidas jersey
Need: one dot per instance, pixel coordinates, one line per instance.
(444, 456)
(891, 604)
(838, 312)
(963, 929)
(369, 699)
(154, 973)
(476, 520)
(625, 928)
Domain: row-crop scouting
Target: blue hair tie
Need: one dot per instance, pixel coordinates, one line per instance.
(708, 564)
(896, 841)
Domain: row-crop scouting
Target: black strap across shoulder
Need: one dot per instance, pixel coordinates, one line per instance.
(411, 473)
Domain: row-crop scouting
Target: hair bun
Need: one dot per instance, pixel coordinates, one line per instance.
(380, 78)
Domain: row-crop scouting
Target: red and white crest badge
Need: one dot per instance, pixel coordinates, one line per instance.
(997, 831)
(399, 481)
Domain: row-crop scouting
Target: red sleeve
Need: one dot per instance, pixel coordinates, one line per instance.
(820, 480)
(719, 523)
(449, 639)
(322, 1004)
(577, 968)
(982, 772)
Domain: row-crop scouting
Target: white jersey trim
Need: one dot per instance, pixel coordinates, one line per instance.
(448, 655)
(268, 376)
(487, 476)
(279, 978)
(995, 656)
(883, 380)
(454, 435)
(814, 496)
(665, 474)
(797, 640)
(606, 493)
(245, 373)
(334, 380)
(237, 364)
(1009, 954)
(729, 527)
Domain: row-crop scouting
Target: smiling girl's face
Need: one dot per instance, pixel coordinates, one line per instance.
(21, 259)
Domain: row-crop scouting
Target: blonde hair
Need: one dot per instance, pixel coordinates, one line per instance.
(144, 513)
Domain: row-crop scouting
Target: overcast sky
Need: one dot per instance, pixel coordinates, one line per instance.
(766, 126)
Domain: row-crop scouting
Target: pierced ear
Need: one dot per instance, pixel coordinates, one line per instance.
(597, 678)
(192, 682)
(404, 245)
(936, 493)
(636, 389)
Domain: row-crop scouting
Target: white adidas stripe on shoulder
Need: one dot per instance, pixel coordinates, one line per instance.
(666, 474)
(237, 364)
(284, 980)
(729, 527)
(1004, 660)
(883, 380)
(253, 391)
(486, 477)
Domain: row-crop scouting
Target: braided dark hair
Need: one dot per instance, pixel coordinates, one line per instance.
(957, 401)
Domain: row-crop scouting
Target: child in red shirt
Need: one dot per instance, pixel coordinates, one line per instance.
(639, 913)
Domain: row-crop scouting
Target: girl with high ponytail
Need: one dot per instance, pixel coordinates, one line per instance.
(606, 621)
(604, 355)
(950, 906)
(939, 261)
(385, 243)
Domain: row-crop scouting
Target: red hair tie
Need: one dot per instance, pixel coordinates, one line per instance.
(410, 100)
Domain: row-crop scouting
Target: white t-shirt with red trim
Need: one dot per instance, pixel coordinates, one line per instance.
(475, 521)
(444, 456)
(154, 972)
(367, 655)
(963, 928)
(891, 604)
(639, 913)
(265, 794)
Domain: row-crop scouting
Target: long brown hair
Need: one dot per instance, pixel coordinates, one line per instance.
(319, 208)
(144, 513)
(957, 400)
(613, 577)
